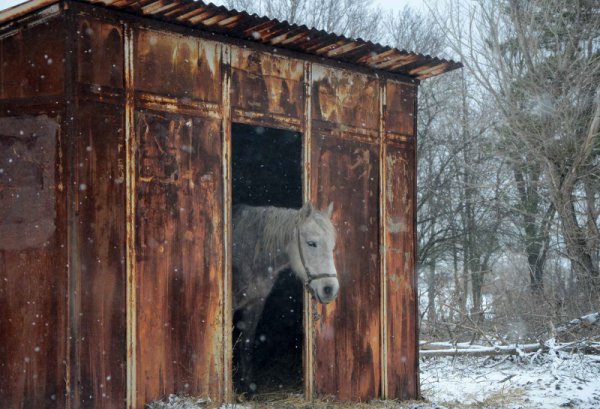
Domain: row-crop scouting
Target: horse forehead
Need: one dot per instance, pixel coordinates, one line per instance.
(321, 226)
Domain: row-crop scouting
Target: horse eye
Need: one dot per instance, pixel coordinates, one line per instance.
(311, 243)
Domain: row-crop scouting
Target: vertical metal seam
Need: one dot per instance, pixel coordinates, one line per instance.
(414, 239)
(130, 207)
(70, 98)
(383, 240)
(309, 330)
(227, 226)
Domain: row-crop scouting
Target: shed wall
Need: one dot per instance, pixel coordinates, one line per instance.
(179, 209)
(33, 218)
(136, 269)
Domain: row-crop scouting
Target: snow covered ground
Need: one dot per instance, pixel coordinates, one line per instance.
(553, 380)
(543, 381)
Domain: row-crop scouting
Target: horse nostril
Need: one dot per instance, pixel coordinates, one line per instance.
(328, 290)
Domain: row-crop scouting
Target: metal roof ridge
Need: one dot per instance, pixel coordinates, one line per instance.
(267, 31)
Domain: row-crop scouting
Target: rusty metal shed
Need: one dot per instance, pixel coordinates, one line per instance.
(115, 115)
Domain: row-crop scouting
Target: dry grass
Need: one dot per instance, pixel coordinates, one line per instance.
(279, 400)
(297, 401)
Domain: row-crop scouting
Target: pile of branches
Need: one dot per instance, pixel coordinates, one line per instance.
(579, 335)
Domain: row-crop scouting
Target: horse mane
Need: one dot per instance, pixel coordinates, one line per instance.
(279, 226)
(275, 228)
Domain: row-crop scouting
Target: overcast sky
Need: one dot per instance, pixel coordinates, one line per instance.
(399, 4)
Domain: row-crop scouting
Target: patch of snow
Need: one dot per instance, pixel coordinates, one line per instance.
(551, 380)
(591, 318)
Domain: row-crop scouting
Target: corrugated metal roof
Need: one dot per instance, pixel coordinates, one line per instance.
(281, 34)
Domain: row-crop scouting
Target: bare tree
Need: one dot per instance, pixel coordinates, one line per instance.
(458, 181)
(540, 62)
(352, 18)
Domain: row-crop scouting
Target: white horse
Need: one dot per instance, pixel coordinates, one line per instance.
(266, 241)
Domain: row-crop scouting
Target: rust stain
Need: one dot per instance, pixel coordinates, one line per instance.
(33, 62)
(266, 83)
(100, 295)
(32, 262)
(177, 66)
(180, 280)
(27, 201)
(400, 261)
(345, 98)
(100, 54)
(339, 168)
(400, 113)
(362, 160)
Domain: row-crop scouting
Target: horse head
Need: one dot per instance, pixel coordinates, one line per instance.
(311, 252)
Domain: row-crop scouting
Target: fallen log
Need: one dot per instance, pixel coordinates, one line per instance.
(483, 351)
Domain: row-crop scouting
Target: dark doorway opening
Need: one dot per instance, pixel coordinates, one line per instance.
(267, 171)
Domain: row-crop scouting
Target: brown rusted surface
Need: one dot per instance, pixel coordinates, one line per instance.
(266, 83)
(345, 98)
(400, 109)
(99, 303)
(179, 246)
(347, 331)
(99, 53)
(149, 201)
(173, 65)
(32, 61)
(33, 264)
(401, 310)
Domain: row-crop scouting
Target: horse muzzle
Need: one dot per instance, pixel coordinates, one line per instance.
(324, 289)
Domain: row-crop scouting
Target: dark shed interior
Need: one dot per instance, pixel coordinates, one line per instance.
(267, 171)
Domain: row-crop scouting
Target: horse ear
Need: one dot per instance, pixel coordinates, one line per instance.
(306, 210)
(330, 210)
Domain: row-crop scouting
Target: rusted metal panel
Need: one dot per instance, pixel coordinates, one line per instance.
(33, 264)
(174, 65)
(266, 83)
(348, 358)
(345, 98)
(179, 247)
(399, 253)
(400, 109)
(32, 61)
(100, 53)
(99, 303)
